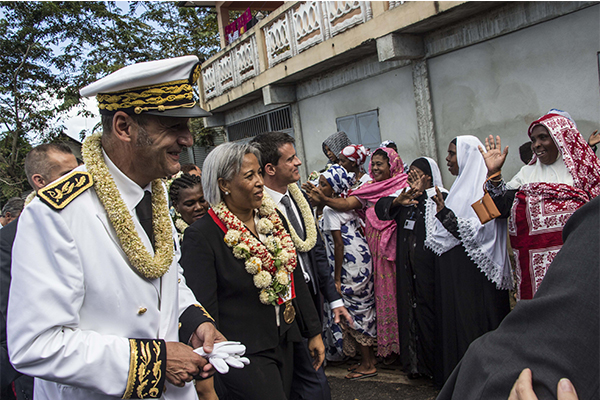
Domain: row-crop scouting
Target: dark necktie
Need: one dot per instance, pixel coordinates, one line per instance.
(291, 215)
(144, 213)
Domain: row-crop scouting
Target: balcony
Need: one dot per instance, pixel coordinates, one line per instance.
(302, 39)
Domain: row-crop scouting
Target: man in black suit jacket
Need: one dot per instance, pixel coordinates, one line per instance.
(43, 164)
(555, 334)
(22, 384)
(280, 169)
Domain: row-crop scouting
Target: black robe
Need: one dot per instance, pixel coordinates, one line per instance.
(415, 285)
(467, 303)
(556, 334)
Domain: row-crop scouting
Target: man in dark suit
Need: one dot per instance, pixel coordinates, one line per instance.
(555, 334)
(280, 163)
(43, 164)
(11, 211)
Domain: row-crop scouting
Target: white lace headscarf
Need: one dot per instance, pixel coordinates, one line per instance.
(485, 244)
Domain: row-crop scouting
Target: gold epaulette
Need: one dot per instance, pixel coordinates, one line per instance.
(61, 192)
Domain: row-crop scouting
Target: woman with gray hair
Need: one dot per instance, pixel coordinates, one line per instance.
(241, 264)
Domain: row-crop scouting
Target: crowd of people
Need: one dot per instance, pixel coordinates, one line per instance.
(136, 261)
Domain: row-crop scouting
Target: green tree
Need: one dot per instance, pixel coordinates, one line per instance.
(52, 49)
(179, 31)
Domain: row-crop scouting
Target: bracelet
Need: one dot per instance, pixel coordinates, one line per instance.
(497, 175)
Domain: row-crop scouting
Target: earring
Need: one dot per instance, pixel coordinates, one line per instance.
(226, 193)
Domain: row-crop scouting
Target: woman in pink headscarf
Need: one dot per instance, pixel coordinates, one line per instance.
(387, 173)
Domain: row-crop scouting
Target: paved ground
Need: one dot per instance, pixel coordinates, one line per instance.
(390, 383)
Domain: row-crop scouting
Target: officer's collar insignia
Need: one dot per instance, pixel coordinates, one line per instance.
(61, 192)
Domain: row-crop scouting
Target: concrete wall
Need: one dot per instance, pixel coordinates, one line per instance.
(390, 92)
(500, 86)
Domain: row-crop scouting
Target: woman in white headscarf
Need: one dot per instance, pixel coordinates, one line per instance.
(473, 265)
(415, 266)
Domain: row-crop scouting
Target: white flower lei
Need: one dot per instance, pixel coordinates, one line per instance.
(30, 197)
(180, 224)
(121, 220)
(309, 222)
(270, 263)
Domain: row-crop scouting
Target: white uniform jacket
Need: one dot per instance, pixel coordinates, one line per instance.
(75, 303)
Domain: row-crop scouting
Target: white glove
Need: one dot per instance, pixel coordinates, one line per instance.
(225, 354)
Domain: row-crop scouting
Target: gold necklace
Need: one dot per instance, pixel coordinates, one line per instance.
(121, 220)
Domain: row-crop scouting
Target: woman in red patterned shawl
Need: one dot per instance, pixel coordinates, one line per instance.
(563, 175)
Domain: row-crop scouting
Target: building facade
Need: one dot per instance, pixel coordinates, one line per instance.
(419, 73)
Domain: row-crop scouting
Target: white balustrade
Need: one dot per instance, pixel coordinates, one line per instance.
(342, 15)
(307, 21)
(246, 60)
(305, 25)
(394, 4)
(225, 72)
(231, 69)
(209, 82)
(277, 38)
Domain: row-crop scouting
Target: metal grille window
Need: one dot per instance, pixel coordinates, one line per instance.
(279, 120)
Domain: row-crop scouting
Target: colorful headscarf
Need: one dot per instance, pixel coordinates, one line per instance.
(357, 153)
(579, 158)
(542, 207)
(386, 143)
(339, 179)
(373, 191)
(336, 143)
(563, 113)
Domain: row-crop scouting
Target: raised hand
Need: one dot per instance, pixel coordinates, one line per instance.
(315, 196)
(422, 183)
(307, 186)
(413, 177)
(494, 157)
(594, 138)
(407, 197)
(438, 199)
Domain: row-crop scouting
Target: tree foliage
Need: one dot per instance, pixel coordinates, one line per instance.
(52, 49)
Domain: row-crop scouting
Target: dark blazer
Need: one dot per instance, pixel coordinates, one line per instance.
(320, 266)
(23, 383)
(555, 334)
(222, 285)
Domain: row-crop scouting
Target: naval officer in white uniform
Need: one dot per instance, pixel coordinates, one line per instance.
(99, 307)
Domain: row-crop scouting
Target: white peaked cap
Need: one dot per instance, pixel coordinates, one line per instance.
(162, 87)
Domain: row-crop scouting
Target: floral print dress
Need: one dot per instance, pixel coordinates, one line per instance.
(357, 286)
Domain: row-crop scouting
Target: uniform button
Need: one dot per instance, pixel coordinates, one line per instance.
(142, 310)
(179, 280)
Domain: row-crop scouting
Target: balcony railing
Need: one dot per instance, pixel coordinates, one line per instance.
(283, 35)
